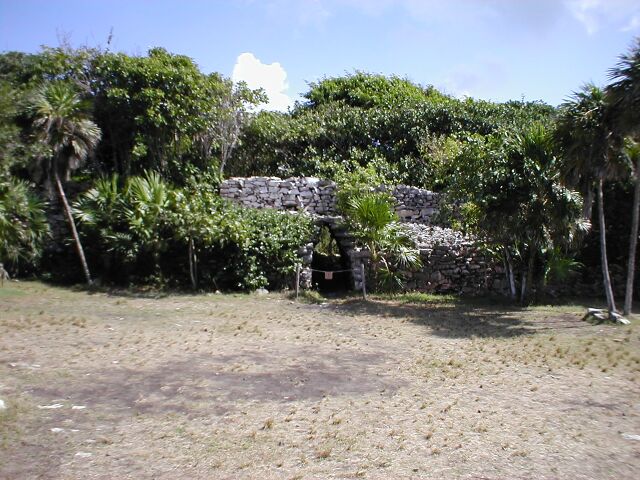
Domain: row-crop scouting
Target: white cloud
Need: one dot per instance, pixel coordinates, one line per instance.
(479, 79)
(270, 77)
(598, 14)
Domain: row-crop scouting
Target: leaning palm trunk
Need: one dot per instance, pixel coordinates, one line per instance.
(633, 244)
(611, 306)
(72, 225)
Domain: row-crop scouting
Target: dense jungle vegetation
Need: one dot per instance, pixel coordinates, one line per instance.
(129, 151)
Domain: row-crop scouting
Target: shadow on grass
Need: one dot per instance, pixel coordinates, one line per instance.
(149, 292)
(456, 317)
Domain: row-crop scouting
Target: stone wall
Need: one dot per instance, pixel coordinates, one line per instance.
(312, 195)
(452, 263)
(318, 197)
(416, 205)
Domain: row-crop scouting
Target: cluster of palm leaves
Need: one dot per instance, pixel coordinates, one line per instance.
(23, 225)
(126, 218)
(374, 223)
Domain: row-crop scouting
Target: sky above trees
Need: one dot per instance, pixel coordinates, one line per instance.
(490, 49)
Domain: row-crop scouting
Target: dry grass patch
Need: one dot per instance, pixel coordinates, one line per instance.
(241, 386)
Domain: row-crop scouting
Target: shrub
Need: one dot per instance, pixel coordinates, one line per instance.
(146, 230)
(23, 225)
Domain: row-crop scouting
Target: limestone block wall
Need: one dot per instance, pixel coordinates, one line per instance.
(416, 205)
(452, 263)
(312, 195)
(318, 197)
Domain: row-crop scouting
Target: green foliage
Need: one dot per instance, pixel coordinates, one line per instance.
(401, 128)
(23, 225)
(585, 135)
(623, 94)
(126, 223)
(160, 112)
(149, 106)
(239, 248)
(10, 141)
(369, 215)
(357, 183)
(156, 111)
(509, 188)
(16, 149)
(366, 90)
(143, 228)
(61, 123)
(371, 219)
(560, 267)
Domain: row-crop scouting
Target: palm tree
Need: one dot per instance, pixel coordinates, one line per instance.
(371, 219)
(624, 91)
(584, 133)
(624, 96)
(632, 149)
(61, 123)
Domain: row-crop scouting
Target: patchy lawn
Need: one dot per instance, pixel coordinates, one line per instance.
(122, 385)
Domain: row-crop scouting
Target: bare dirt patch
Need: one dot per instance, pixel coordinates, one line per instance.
(120, 385)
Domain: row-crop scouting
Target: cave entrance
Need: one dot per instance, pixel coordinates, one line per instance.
(329, 256)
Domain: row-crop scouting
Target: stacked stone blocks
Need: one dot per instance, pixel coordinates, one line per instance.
(452, 262)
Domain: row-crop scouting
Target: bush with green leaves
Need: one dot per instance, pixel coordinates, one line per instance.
(146, 230)
(231, 247)
(362, 119)
(510, 196)
(23, 225)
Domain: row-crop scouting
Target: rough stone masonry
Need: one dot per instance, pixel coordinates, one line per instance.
(452, 262)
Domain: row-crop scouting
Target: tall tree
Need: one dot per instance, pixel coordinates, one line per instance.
(224, 116)
(585, 134)
(61, 122)
(512, 199)
(632, 149)
(624, 96)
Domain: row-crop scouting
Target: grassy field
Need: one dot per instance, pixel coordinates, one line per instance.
(127, 385)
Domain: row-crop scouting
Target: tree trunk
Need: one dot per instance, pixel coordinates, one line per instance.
(611, 306)
(509, 271)
(633, 244)
(72, 225)
(193, 268)
(587, 206)
(530, 267)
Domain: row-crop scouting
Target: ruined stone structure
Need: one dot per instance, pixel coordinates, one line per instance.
(451, 262)
(318, 197)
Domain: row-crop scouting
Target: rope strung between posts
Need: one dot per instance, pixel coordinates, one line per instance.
(330, 271)
(330, 277)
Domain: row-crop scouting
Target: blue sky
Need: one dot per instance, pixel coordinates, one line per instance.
(491, 49)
